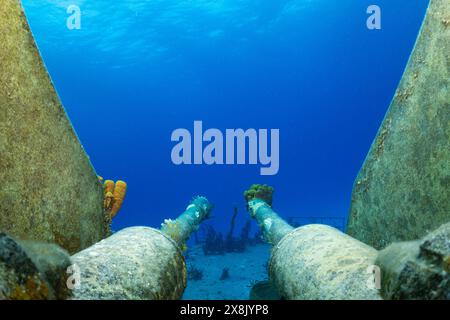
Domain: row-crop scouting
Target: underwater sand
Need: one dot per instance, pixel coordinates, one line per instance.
(243, 267)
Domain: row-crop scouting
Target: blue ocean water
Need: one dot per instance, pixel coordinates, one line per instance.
(137, 70)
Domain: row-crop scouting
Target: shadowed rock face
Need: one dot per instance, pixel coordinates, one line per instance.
(403, 190)
(48, 188)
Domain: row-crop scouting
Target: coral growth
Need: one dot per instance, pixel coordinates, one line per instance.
(203, 204)
(114, 194)
(181, 229)
(225, 274)
(259, 191)
(32, 289)
(108, 199)
(172, 229)
(119, 193)
(194, 273)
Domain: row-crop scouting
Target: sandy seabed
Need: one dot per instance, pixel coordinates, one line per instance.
(244, 268)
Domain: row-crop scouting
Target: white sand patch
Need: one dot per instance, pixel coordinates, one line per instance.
(243, 267)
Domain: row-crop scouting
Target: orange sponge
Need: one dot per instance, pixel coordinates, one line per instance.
(114, 196)
(119, 193)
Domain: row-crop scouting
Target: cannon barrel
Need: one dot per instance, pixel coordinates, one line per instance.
(320, 262)
(314, 261)
(139, 262)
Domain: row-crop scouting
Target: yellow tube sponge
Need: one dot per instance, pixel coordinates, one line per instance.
(119, 193)
(108, 201)
(114, 193)
(109, 186)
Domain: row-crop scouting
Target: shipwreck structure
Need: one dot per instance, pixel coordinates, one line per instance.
(49, 190)
(318, 262)
(137, 263)
(50, 193)
(402, 190)
(313, 261)
(140, 262)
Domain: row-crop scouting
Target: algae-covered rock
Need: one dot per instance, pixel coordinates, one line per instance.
(48, 188)
(31, 270)
(417, 269)
(403, 189)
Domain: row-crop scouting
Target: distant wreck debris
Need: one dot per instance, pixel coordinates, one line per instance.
(215, 244)
(402, 191)
(49, 190)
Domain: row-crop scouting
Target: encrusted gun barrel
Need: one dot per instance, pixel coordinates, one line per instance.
(313, 261)
(274, 228)
(139, 262)
(181, 229)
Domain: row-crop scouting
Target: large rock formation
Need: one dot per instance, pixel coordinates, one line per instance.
(48, 188)
(402, 191)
